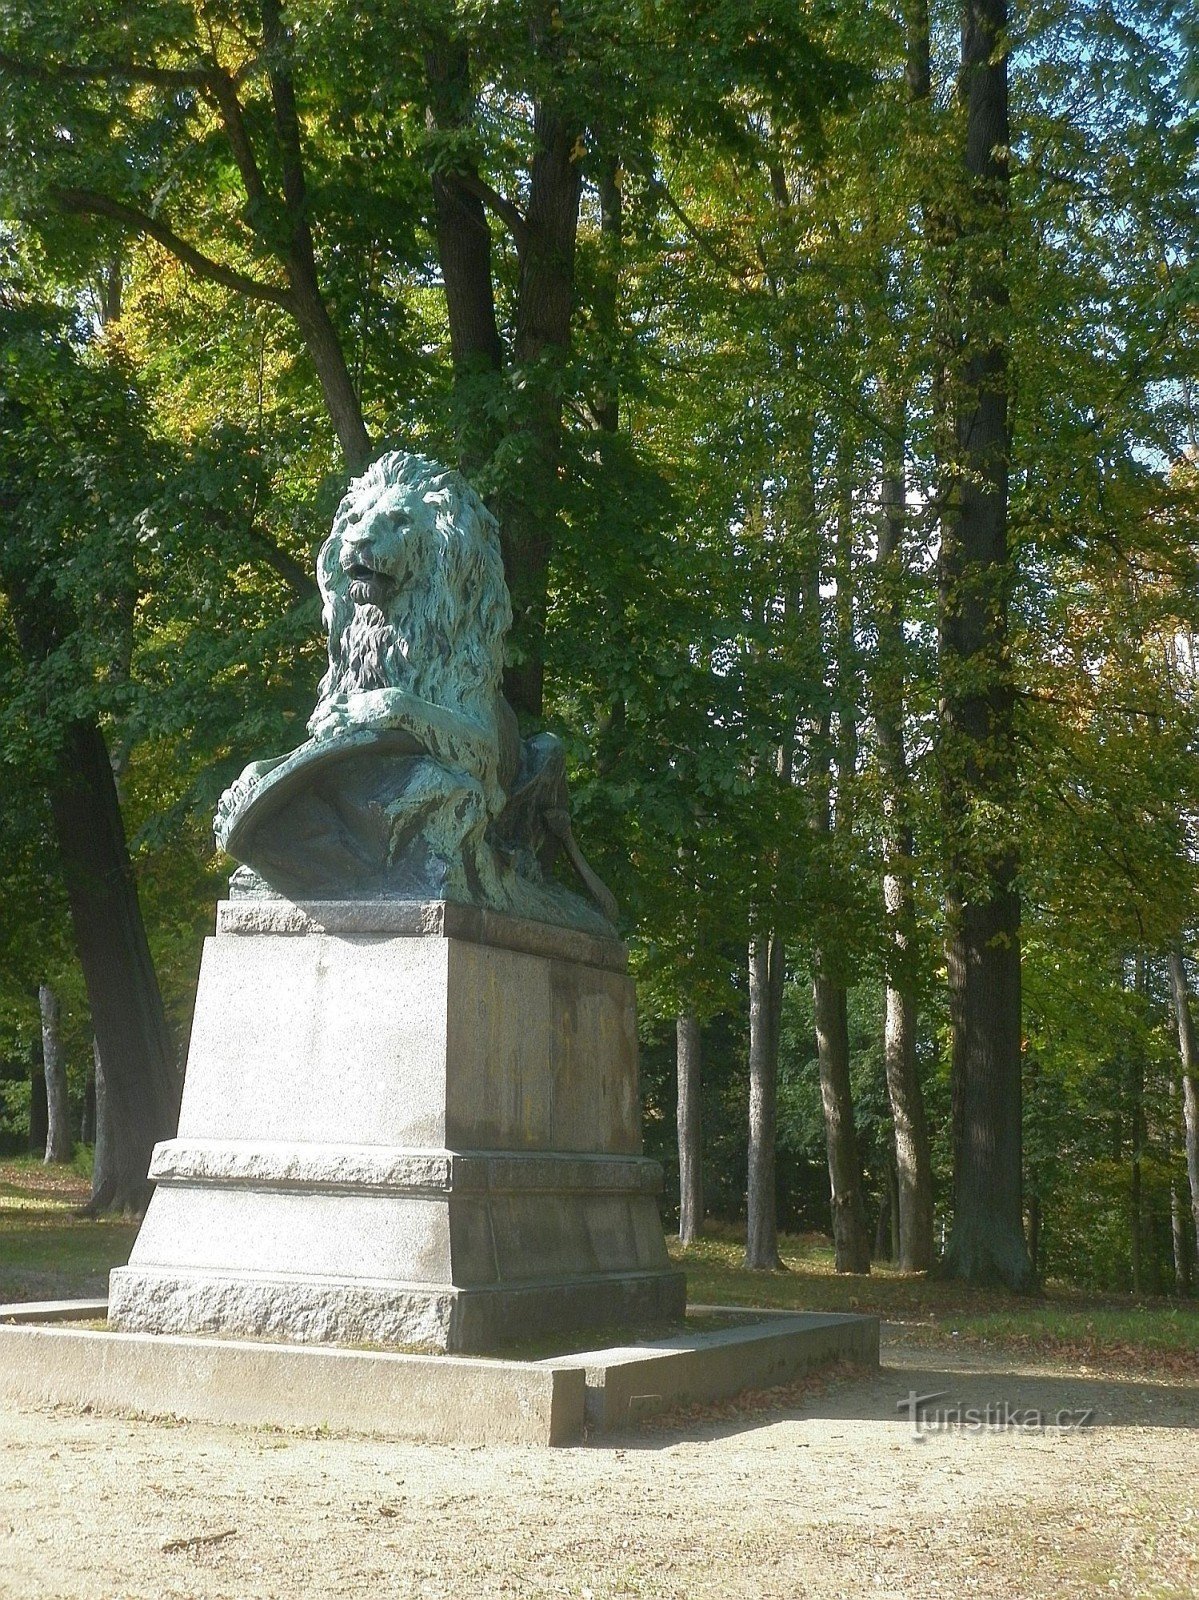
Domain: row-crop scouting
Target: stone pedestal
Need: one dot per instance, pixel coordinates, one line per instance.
(403, 1123)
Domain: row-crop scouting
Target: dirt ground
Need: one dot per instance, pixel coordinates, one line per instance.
(830, 1497)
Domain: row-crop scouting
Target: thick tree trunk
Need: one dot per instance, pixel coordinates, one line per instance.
(1189, 1054)
(913, 1157)
(87, 1123)
(545, 237)
(103, 1176)
(918, 56)
(541, 340)
(463, 249)
(851, 1238)
(39, 1117)
(58, 1114)
(977, 744)
(690, 1127)
(766, 972)
(141, 1083)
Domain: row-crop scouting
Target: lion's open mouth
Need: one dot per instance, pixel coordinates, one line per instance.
(368, 587)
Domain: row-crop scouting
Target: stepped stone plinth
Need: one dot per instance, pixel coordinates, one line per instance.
(403, 1123)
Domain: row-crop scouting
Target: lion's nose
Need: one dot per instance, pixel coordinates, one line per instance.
(355, 545)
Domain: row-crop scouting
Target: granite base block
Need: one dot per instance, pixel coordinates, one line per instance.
(408, 1125)
(418, 1317)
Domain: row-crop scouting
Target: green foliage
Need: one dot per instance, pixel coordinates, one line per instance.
(783, 283)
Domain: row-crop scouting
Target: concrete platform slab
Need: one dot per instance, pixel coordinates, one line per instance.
(627, 1384)
(440, 1399)
(54, 1311)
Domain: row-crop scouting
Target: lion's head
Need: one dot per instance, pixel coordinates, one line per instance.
(413, 586)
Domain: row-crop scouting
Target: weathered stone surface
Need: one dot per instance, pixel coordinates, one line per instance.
(410, 1043)
(398, 919)
(53, 1310)
(486, 1179)
(447, 1400)
(444, 1398)
(371, 1168)
(627, 1383)
(424, 1317)
(304, 1309)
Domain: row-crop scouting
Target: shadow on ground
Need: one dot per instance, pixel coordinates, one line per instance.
(921, 1395)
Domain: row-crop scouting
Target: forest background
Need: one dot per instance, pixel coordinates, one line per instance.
(832, 373)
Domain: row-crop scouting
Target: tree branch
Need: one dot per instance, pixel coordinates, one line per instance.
(287, 130)
(297, 578)
(108, 71)
(86, 203)
(223, 91)
(658, 188)
(510, 215)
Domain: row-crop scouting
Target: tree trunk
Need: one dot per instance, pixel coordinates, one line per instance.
(977, 736)
(1034, 1232)
(39, 1118)
(1136, 1147)
(464, 250)
(110, 937)
(1178, 1237)
(103, 1175)
(886, 1234)
(306, 301)
(323, 344)
(1189, 1053)
(545, 239)
(141, 1083)
(541, 340)
(766, 973)
(913, 1157)
(58, 1114)
(690, 1128)
(851, 1238)
(87, 1123)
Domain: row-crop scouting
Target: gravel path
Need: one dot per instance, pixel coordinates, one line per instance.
(832, 1498)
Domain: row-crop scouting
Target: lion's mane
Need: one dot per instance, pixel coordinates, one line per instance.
(441, 634)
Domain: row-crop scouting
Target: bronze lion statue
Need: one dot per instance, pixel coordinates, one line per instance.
(414, 782)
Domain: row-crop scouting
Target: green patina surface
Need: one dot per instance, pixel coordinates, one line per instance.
(415, 782)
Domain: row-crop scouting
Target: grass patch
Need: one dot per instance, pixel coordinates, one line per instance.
(1064, 1322)
(46, 1251)
(716, 1276)
(1165, 1337)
